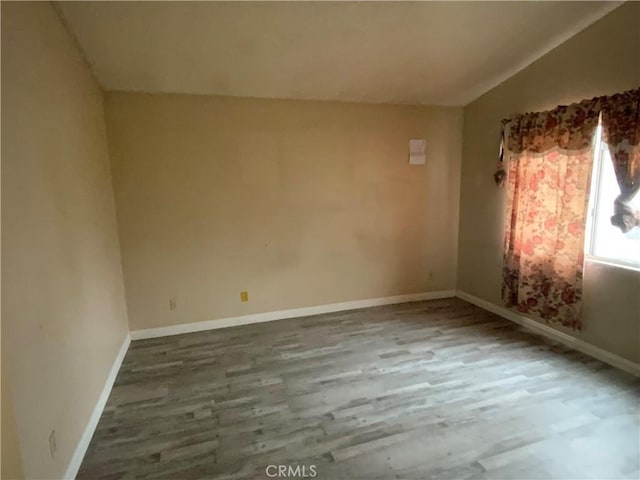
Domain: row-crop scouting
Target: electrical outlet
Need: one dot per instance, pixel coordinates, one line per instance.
(173, 304)
(52, 443)
(244, 296)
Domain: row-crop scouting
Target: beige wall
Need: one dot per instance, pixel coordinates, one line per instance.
(63, 309)
(603, 59)
(299, 203)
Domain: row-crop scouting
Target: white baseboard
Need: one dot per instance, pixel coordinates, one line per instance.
(83, 444)
(283, 314)
(575, 343)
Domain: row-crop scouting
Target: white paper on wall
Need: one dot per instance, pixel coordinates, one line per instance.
(417, 149)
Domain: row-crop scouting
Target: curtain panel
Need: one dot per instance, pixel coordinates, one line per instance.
(549, 170)
(550, 158)
(621, 132)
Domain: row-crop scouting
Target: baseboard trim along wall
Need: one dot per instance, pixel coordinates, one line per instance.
(83, 444)
(284, 314)
(542, 329)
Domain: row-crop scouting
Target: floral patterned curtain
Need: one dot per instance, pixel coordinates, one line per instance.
(549, 169)
(621, 132)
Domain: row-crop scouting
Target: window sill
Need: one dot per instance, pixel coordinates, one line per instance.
(612, 263)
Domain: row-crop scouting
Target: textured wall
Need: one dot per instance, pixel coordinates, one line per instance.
(63, 309)
(299, 203)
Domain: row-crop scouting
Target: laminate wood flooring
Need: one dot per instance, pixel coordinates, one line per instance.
(425, 390)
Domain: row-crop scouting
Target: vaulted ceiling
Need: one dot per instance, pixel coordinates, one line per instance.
(438, 53)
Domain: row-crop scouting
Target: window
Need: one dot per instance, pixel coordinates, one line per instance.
(605, 242)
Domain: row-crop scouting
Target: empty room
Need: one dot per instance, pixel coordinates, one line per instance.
(332, 240)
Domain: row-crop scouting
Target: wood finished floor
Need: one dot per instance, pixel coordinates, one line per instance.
(425, 390)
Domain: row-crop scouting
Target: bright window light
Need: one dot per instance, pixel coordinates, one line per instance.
(605, 242)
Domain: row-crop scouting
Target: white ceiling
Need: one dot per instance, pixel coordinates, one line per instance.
(438, 53)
